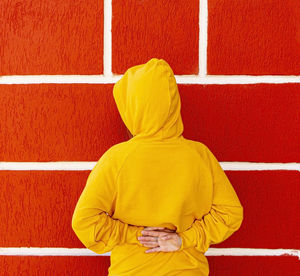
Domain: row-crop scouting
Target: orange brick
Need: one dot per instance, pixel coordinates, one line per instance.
(253, 37)
(163, 29)
(51, 37)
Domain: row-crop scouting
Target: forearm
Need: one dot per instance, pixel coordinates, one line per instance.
(101, 233)
(215, 227)
(225, 216)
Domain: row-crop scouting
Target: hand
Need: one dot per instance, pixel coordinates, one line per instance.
(165, 240)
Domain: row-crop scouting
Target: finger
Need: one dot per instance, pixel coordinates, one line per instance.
(149, 244)
(164, 229)
(166, 237)
(147, 238)
(153, 228)
(156, 249)
(150, 233)
(169, 230)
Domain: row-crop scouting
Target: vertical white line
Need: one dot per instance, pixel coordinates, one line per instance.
(203, 16)
(107, 53)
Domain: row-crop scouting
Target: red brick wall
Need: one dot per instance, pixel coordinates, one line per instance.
(238, 77)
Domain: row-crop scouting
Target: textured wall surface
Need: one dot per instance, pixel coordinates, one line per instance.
(38, 208)
(253, 37)
(168, 29)
(51, 37)
(48, 122)
(57, 122)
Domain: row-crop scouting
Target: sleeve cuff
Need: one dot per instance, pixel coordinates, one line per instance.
(133, 232)
(188, 238)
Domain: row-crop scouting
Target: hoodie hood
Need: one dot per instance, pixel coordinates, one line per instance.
(148, 101)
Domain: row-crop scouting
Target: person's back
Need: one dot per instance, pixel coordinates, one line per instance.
(157, 178)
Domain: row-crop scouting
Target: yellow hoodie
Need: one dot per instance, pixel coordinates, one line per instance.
(157, 178)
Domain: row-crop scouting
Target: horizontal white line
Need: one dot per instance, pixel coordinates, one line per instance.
(47, 166)
(47, 251)
(252, 166)
(61, 251)
(85, 166)
(182, 79)
(252, 252)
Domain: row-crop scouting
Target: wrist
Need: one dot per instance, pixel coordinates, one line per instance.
(180, 242)
(187, 238)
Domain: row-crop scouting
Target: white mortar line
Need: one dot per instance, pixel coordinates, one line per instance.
(86, 165)
(61, 251)
(108, 77)
(107, 40)
(251, 252)
(180, 79)
(203, 16)
(259, 166)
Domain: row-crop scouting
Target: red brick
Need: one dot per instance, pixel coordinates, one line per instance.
(37, 208)
(244, 122)
(163, 29)
(51, 37)
(253, 265)
(253, 37)
(79, 122)
(54, 265)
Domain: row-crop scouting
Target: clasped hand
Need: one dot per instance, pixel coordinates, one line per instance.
(160, 239)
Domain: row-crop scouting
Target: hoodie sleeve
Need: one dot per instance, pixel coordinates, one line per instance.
(224, 218)
(91, 221)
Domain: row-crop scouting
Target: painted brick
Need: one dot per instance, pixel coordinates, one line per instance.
(253, 37)
(244, 122)
(79, 122)
(37, 208)
(218, 265)
(58, 122)
(54, 265)
(271, 209)
(51, 37)
(163, 29)
(253, 265)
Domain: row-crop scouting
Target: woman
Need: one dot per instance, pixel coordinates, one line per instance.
(158, 200)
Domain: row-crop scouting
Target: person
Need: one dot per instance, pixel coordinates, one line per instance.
(158, 200)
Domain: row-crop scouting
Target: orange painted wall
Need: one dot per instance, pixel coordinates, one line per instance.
(79, 121)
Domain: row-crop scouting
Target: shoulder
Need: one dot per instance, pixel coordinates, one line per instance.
(201, 148)
(205, 152)
(208, 156)
(116, 154)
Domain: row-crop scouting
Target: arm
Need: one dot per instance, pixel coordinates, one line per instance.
(224, 218)
(93, 226)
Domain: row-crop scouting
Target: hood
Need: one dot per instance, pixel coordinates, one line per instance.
(148, 101)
